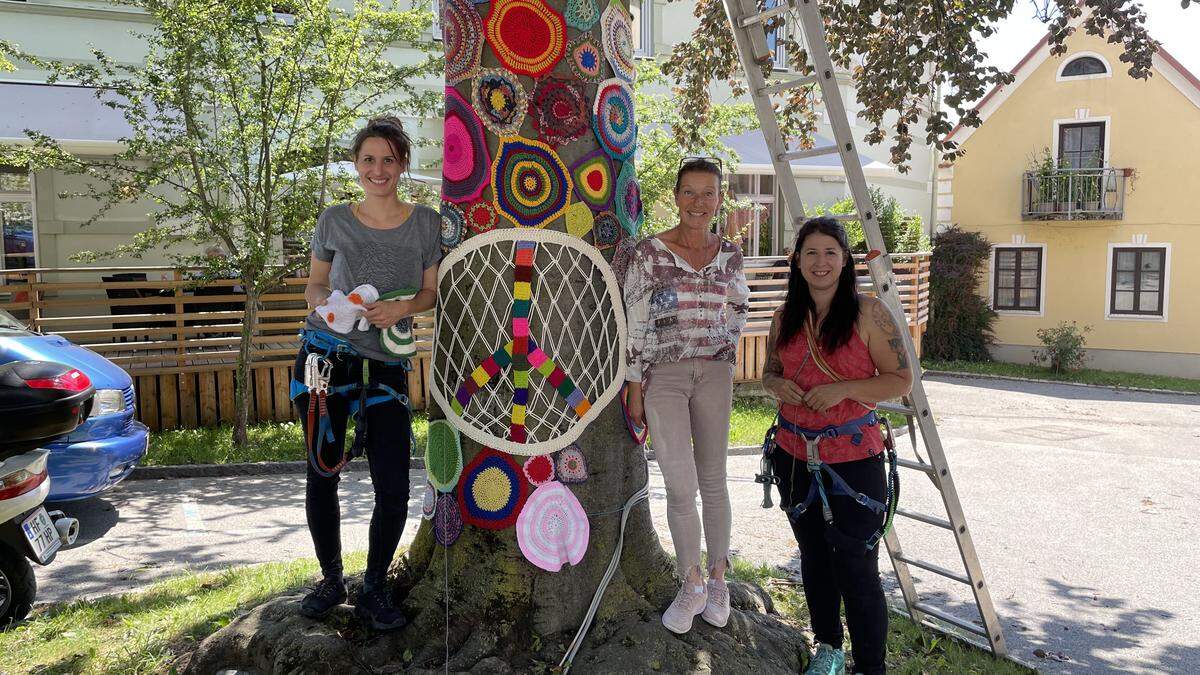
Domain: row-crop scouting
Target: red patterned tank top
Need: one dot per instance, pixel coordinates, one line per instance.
(853, 362)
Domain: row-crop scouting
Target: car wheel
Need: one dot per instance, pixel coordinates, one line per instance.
(17, 587)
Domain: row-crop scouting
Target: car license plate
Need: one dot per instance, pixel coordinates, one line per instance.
(42, 536)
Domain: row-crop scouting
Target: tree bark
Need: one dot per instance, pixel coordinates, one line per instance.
(242, 385)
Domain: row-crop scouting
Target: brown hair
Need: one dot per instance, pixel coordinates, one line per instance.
(699, 165)
(390, 129)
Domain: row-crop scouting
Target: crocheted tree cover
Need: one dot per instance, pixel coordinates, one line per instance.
(530, 184)
(553, 528)
(560, 113)
(500, 100)
(443, 455)
(594, 177)
(581, 14)
(570, 466)
(447, 521)
(429, 502)
(538, 469)
(481, 217)
(462, 37)
(492, 490)
(527, 36)
(613, 119)
(606, 231)
(617, 38)
(628, 200)
(465, 159)
(585, 56)
(453, 224)
(398, 339)
(579, 219)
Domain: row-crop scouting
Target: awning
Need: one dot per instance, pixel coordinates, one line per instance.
(71, 115)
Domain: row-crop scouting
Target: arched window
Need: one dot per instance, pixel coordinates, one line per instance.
(1085, 65)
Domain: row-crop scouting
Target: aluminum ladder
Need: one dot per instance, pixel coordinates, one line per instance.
(749, 24)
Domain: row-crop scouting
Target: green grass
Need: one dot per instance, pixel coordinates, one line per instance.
(140, 632)
(1107, 378)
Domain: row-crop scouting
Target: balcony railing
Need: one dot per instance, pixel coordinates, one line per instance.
(1074, 194)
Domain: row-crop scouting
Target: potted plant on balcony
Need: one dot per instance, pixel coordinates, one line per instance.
(1087, 185)
(1043, 171)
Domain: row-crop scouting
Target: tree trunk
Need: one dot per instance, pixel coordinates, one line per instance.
(242, 385)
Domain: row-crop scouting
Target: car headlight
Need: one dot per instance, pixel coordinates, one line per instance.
(108, 401)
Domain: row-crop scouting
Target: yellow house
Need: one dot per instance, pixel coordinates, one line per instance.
(1085, 182)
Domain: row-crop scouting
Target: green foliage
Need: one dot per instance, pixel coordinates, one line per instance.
(960, 321)
(1103, 378)
(902, 232)
(1062, 346)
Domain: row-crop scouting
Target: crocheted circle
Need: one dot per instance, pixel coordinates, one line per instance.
(560, 113)
(530, 184)
(493, 490)
(453, 222)
(628, 199)
(443, 455)
(606, 230)
(617, 36)
(500, 101)
(585, 58)
(553, 528)
(429, 503)
(465, 157)
(579, 218)
(462, 39)
(527, 36)
(614, 120)
(539, 469)
(481, 217)
(570, 465)
(593, 176)
(447, 521)
(581, 14)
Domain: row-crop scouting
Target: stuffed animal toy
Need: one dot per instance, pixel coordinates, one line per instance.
(398, 340)
(342, 311)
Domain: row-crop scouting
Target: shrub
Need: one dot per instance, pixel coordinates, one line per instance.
(960, 321)
(1062, 346)
(902, 232)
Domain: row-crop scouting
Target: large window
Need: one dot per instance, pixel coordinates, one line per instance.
(1081, 146)
(1017, 279)
(16, 220)
(753, 226)
(642, 17)
(1138, 281)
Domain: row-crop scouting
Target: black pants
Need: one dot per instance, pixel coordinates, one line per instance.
(388, 446)
(832, 576)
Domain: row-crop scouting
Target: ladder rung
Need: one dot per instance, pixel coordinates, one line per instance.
(844, 217)
(763, 17)
(909, 464)
(951, 619)
(897, 408)
(787, 84)
(936, 569)
(814, 152)
(927, 519)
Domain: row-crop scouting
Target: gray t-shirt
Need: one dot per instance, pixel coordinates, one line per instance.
(387, 259)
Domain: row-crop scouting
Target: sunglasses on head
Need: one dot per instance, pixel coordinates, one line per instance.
(689, 162)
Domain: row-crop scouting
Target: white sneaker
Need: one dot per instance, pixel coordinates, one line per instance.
(716, 609)
(689, 601)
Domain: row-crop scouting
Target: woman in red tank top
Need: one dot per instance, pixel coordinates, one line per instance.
(831, 356)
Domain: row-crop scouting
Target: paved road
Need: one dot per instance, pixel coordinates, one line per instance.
(1081, 502)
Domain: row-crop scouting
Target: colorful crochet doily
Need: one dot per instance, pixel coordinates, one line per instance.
(570, 465)
(481, 217)
(527, 36)
(617, 36)
(560, 113)
(606, 231)
(579, 219)
(465, 159)
(453, 222)
(593, 177)
(429, 503)
(530, 184)
(628, 200)
(553, 528)
(443, 455)
(462, 39)
(447, 521)
(492, 491)
(581, 14)
(539, 469)
(584, 55)
(614, 120)
(500, 101)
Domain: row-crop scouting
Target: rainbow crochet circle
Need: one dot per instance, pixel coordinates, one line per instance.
(530, 184)
(527, 36)
(429, 503)
(581, 14)
(462, 39)
(617, 36)
(453, 222)
(539, 469)
(585, 58)
(593, 177)
(570, 465)
(628, 200)
(613, 119)
(447, 521)
(492, 491)
(481, 217)
(464, 151)
(553, 528)
(606, 230)
(500, 101)
(560, 113)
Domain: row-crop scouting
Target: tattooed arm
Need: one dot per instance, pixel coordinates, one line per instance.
(886, 344)
(773, 380)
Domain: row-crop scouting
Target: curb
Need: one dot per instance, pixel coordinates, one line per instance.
(1009, 378)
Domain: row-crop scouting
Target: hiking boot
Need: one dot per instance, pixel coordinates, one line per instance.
(327, 594)
(716, 609)
(827, 661)
(689, 602)
(375, 607)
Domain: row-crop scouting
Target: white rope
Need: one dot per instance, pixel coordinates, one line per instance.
(573, 285)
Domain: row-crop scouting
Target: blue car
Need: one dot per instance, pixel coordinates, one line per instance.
(103, 450)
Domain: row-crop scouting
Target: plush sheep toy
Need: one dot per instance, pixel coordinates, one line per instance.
(398, 340)
(342, 311)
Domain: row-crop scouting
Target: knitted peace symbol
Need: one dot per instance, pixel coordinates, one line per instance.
(581, 14)
(527, 36)
(529, 344)
(613, 119)
(464, 150)
(560, 114)
(628, 200)
(617, 37)
(584, 54)
(500, 101)
(462, 35)
(593, 177)
(530, 185)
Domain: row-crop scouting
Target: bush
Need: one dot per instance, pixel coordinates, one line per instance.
(960, 321)
(902, 232)
(1062, 347)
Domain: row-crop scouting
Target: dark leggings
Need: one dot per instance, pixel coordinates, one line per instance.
(832, 576)
(388, 445)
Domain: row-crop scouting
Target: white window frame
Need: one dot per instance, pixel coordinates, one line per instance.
(1059, 77)
(991, 298)
(31, 199)
(1165, 285)
(646, 29)
(763, 205)
(1106, 119)
(436, 27)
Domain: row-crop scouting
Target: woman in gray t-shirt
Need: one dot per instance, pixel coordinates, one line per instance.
(392, 245)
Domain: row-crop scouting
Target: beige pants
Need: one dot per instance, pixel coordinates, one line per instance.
(687, 412)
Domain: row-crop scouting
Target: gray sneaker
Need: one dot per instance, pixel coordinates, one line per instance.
(689, 601)
(716, 609)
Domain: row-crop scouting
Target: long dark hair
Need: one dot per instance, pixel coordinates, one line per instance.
(839, 323)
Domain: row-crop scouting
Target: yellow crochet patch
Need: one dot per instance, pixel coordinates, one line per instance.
(491, 489)
(579, 219)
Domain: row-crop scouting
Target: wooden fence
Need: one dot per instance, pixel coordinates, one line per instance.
(179, 340)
